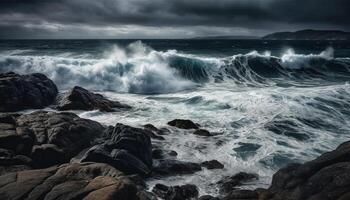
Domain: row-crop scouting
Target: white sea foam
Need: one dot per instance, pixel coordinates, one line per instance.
(138, 68)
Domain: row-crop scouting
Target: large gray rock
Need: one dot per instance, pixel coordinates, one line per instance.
(88, 181)
(81, 99)
(125, 148)
(19, 92)
(325, 178)
(46, 137)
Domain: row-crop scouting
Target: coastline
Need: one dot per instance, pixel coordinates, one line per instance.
(119, 159)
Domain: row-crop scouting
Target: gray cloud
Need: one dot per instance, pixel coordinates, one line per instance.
(173, 18)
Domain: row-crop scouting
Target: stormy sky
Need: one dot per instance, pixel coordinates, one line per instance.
(166, 18)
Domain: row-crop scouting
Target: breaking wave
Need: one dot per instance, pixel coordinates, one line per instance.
(138, 68)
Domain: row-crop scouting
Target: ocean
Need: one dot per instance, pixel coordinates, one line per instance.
(269, 103)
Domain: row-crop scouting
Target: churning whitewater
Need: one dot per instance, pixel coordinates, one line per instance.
(138, 68)
(267, 107)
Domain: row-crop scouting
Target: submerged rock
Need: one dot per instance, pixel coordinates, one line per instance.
(183, 124)
(90, 181)
(286, 127)
(212, 164)
(161, 154)
(125, 148)
(81, 99)
(154, 132)
(174, 167)
(208, 197)
(46, 137)
(19, 92)
(202, 132)
(183, 192)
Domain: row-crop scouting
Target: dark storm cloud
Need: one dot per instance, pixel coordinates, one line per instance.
(186, 17)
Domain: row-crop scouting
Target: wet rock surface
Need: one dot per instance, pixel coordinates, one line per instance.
(94, 181)
(126, 148)
(48, 138)
(326, 177)
(19, 92)
(10, 162)
(183, 192)
(79, 98)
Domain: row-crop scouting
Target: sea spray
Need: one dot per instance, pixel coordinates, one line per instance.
(137, 68)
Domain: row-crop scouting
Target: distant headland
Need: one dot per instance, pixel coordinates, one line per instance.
(307, 34)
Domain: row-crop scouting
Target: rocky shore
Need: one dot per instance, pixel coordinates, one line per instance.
(58, 155)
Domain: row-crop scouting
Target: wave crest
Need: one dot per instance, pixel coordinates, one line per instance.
(138, 68)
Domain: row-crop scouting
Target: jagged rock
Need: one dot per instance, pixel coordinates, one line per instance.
(327, 177)
(125, 148)
(183, 192)
(89, 181)
(183, 124)
(46, 137)
(202, 132)
(19, 92)
(174, 167)
(81, 99)
(212, 164)
(228, 184)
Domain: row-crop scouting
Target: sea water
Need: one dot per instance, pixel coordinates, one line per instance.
(269, 103)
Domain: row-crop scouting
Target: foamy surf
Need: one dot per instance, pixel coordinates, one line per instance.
(137, 68)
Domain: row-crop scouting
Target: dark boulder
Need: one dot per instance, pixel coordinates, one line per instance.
(81, 99)
(228, 184)
(183, 124)
(89, 181)
(125, 148)
(183, 192)
(212, 164)
(48, 138)
(174, 167)
(327, 177)
(19, 92)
